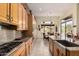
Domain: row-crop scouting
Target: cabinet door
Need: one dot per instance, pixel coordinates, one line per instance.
(26, 21)
(50, 45)
(20, 22)
(3, 12)
(30, 25)
(20, 51)
(23, 53)
(56, 50)
(28, 46)
(14, 13)
(26, 49)
(23, 18)
(30, 43)
(20, 17)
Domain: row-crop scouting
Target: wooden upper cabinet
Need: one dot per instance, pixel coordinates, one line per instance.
(23, 18)
(14, 13)
(20, 17)
(3, 12)
(26, 20)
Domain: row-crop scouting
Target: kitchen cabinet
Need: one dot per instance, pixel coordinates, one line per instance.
(56, 49)
(20, 51)
(51, 46)
(72, 52)
(28, 47)
(23, 18)
(26, 21)
(4, 12)
(30, 25)
(9, 13)
(14, 13)
(24, 49)
(59, 50)
(24, 15)
(63, 48)
(20, 17)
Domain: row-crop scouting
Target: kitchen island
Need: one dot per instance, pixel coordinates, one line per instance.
(63, 47)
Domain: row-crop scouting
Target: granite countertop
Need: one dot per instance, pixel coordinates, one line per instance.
(52, 37)
(72, 48)
(68, 48)
(16, 47)
(22, 40)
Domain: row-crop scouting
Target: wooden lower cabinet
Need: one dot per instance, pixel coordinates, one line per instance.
(20, 51)
(72, 53)
(58, 50)
(23, 53)
(61, 51)
(51, 46)
(28, 47)
(23, 50)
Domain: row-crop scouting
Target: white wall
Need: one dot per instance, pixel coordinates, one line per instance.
(74, 11)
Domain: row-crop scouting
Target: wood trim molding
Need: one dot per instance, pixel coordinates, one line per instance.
(26, 7)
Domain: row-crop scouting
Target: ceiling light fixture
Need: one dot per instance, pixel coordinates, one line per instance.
(40, 9)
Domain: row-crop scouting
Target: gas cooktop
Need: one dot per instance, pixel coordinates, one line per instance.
(7, 47)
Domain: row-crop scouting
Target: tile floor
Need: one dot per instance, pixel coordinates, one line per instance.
(40, 48)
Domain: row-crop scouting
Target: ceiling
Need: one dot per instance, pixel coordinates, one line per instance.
(49, 9)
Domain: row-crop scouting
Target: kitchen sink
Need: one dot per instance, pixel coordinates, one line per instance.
(67, 43)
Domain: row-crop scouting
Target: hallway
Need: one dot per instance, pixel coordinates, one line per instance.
(40, 48)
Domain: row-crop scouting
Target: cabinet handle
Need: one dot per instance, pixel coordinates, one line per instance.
(7, 16)
(11, 18)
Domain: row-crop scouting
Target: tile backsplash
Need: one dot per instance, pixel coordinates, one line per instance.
(7, 35)
(2, 37)
(17, 34)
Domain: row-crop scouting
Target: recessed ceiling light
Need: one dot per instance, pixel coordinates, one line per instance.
(40, 9)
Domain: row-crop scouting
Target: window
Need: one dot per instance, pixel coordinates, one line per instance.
(66, 28)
